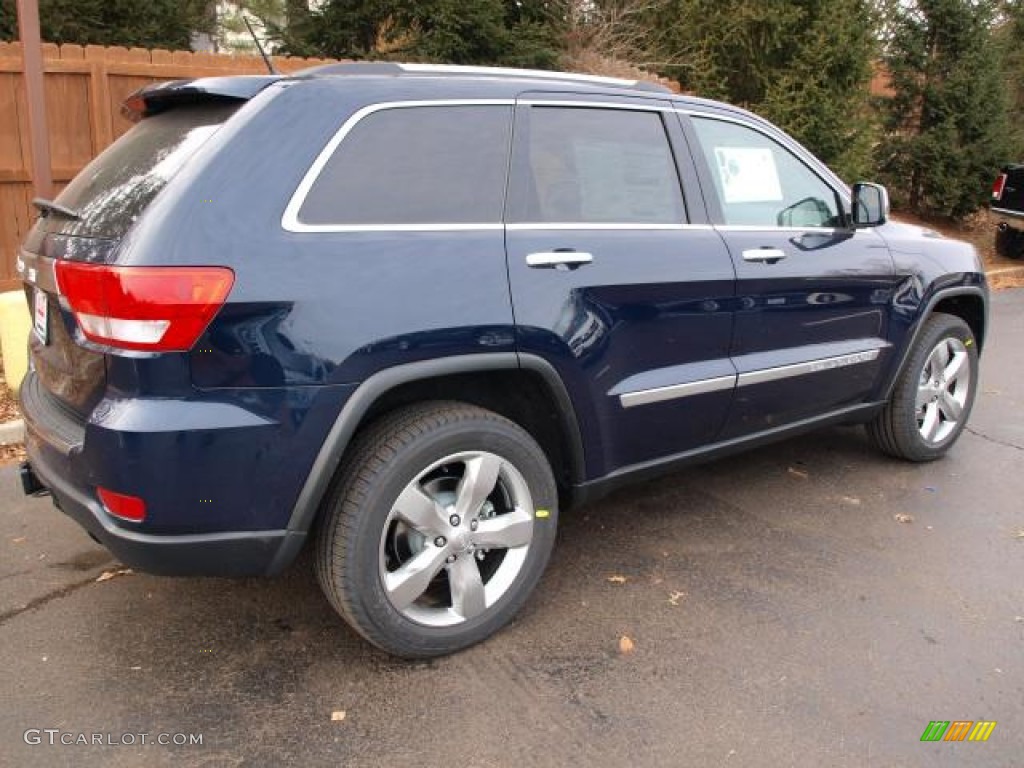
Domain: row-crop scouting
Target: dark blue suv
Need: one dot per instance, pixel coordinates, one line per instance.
(412, 312)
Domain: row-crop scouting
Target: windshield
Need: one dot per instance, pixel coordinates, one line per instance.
(113, 190)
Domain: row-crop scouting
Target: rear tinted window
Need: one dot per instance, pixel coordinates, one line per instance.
(416, 165)
(596, 166)
(113, 190)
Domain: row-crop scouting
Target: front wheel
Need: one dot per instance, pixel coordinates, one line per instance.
(933, 395)
(438, 527)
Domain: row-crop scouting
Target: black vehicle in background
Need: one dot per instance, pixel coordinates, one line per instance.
(1008, 202)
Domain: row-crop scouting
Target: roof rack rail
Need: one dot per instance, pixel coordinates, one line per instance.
(397, 70)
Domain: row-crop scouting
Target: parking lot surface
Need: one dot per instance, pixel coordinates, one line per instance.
(810, 603)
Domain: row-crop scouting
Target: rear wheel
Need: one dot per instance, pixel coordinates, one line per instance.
(1010, 242)
(439, 525)
(933, 395)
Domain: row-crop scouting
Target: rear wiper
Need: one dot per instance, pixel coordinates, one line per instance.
(46, 207)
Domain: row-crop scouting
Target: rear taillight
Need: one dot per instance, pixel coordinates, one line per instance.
(997, 187)
(160, 309)
(121, 505)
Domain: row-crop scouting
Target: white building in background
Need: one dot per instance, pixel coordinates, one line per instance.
(233, 37)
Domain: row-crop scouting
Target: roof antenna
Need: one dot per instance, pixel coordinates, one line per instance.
(266, 59)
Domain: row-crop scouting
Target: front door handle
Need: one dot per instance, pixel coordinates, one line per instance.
(558, 259)
(764, 255)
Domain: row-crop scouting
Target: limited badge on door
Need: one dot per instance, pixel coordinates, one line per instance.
(40, 312)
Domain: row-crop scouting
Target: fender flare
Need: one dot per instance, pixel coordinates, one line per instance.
(944, 293)
(359, 403)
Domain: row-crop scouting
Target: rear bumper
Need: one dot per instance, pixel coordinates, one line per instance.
(241, 553)
(174, 469)
(1017, 216)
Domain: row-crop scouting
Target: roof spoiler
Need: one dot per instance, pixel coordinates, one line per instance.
(159, 97)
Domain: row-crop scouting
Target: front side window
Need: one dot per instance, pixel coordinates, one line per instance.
(595, 166)
(416, 166)
(760, 183)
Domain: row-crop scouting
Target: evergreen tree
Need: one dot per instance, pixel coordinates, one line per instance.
(946, 125)
(1010, 35)
(143, 23)
(502, 32)
(805, 64)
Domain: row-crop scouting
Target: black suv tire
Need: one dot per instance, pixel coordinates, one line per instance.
(398, 497)
(899, 430)
(1010, 243)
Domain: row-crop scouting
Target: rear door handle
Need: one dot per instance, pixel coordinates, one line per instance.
(558, 259)
(764, 255)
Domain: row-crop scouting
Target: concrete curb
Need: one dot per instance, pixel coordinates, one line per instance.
(12, 432)
(1005, 271)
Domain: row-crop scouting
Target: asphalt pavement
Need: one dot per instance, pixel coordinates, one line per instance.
(811, 603)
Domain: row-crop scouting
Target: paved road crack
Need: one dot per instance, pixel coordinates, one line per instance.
(42, 600)
(995, 440)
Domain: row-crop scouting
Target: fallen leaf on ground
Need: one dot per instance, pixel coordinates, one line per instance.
(108, 575)
(626, 645)
(798, 473)
(18, 540)
(616, 579)
(338, 715)
(853, 500)
(675, 597)
(902, 517)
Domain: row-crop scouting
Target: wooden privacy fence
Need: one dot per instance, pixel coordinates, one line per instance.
(85, 87)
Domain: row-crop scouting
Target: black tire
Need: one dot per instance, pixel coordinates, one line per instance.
(361, 535)
(897, 430)
(1010, 243)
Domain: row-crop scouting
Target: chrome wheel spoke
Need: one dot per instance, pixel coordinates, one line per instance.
(940, 356)
(419, 510)
(950, 408)
(514, 529)
(467, 587)
(925, 393)
(477, 483)
(411, 580)
(930, 425)
(955, 368)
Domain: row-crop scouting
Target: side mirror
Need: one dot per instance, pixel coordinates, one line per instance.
(870, 205)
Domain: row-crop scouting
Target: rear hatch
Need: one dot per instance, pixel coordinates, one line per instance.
(91, 216)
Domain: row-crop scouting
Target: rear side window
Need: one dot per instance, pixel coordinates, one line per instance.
(114, 189)
(414, 166)
(596, 166)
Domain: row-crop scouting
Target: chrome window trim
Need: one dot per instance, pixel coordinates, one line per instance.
(767, 228)
(750, 378)
(561, 101)
(561, 225)
(290, 217)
